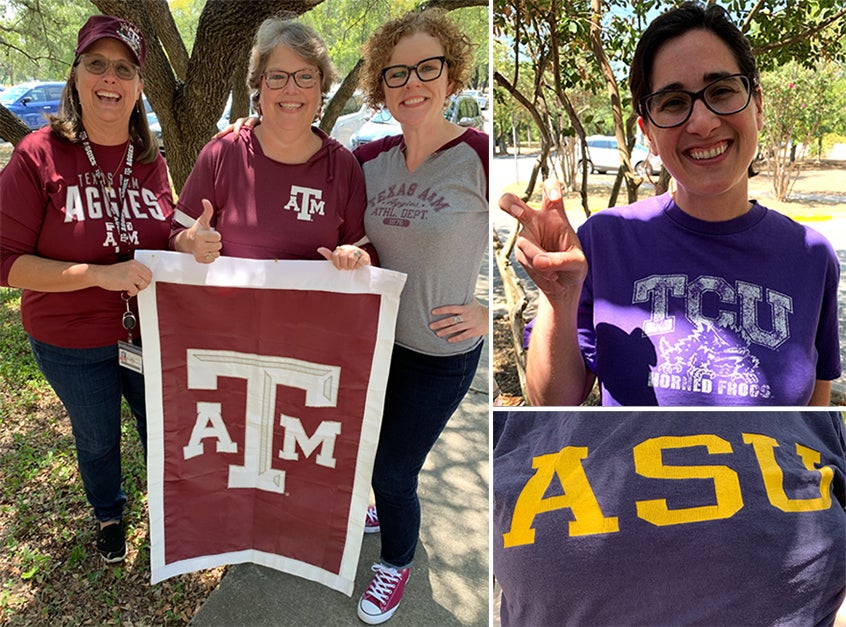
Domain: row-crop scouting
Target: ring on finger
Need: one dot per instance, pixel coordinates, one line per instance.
(209, 256)
(358, 254)
(456, 319)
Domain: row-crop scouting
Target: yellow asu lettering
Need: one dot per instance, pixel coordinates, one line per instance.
(773, 475)
(649, 463)
(648, 456)
(578, 497)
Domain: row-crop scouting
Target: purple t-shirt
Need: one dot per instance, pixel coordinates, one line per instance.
(679, 311)
(669, 518)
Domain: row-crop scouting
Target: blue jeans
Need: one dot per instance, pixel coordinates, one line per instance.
(90, 383)
(422, 393)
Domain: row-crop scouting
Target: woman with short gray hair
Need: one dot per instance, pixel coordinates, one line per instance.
(284, 189)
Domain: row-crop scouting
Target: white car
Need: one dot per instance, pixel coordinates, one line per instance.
(480, 97)
(352, 117)
(380, 125)
(603, 156)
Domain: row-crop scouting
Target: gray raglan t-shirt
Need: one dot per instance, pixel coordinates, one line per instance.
(431, 224)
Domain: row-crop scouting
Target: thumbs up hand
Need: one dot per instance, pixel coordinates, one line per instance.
(202, 238)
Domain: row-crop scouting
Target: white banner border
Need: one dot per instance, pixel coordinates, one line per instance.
(173, 267)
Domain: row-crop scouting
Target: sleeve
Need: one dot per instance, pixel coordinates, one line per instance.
(827, 341)
(200, 184)
(586, 330)
(23, 201)
(352, 228)
(480, 142)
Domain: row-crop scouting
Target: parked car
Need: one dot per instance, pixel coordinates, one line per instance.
(32, 101)
(480, 97)
(603, 156)
(153, 122)
(464, 111)
(352, 117)
(380, 125)
(223, 121)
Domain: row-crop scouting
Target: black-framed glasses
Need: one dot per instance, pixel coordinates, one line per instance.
(426, 70)
(98, 64)
(724, 96)
(304, 79)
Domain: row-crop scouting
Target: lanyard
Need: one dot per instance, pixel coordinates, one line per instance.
(117, 216)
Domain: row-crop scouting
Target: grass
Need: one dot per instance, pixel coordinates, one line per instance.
(49, 570)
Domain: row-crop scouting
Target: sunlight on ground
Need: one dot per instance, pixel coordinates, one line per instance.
(799, 210)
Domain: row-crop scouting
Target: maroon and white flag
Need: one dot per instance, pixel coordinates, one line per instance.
(265, 382)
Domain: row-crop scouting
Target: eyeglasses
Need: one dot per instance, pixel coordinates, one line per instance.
(426, 70)
(304, 79)
(724, 96)
(98, 64)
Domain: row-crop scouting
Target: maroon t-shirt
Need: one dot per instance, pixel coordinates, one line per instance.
(52, 206)
(265, 209)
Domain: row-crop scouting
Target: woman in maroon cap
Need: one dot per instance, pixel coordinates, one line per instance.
(76, 199)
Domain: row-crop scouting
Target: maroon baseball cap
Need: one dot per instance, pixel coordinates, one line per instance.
(99, 26)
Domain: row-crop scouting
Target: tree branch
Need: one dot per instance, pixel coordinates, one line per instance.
(168, 35)
(336, 105)
(806, 34)
(750, 16)
(539, 122)
(450, 5)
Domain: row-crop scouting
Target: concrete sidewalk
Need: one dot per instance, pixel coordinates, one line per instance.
(449, 582)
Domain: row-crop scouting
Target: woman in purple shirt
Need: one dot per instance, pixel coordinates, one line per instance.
(697, 297)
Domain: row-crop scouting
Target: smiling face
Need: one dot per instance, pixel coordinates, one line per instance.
(107, 100)
(291, 108)
(709, 154)
(417, 103)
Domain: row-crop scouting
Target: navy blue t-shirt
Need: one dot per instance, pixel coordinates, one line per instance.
(717, 518)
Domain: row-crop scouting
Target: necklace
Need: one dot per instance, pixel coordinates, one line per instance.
(113, 175)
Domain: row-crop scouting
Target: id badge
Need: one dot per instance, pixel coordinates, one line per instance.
(129, 356)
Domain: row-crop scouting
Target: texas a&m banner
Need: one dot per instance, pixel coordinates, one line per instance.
(265, 382)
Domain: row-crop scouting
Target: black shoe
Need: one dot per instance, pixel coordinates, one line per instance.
(111, 544)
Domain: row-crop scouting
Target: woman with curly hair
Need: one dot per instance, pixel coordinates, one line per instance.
(427, 215)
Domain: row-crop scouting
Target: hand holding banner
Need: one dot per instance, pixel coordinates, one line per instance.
(265, 382)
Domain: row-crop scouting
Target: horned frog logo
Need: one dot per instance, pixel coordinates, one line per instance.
(706, 354)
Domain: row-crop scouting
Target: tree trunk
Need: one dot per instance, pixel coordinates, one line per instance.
(614, 93)
(515, 298)
(539, 122)
(12, 128)
(336, 105)
(189, 94)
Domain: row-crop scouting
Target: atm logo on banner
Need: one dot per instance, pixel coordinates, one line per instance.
(263, 376)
